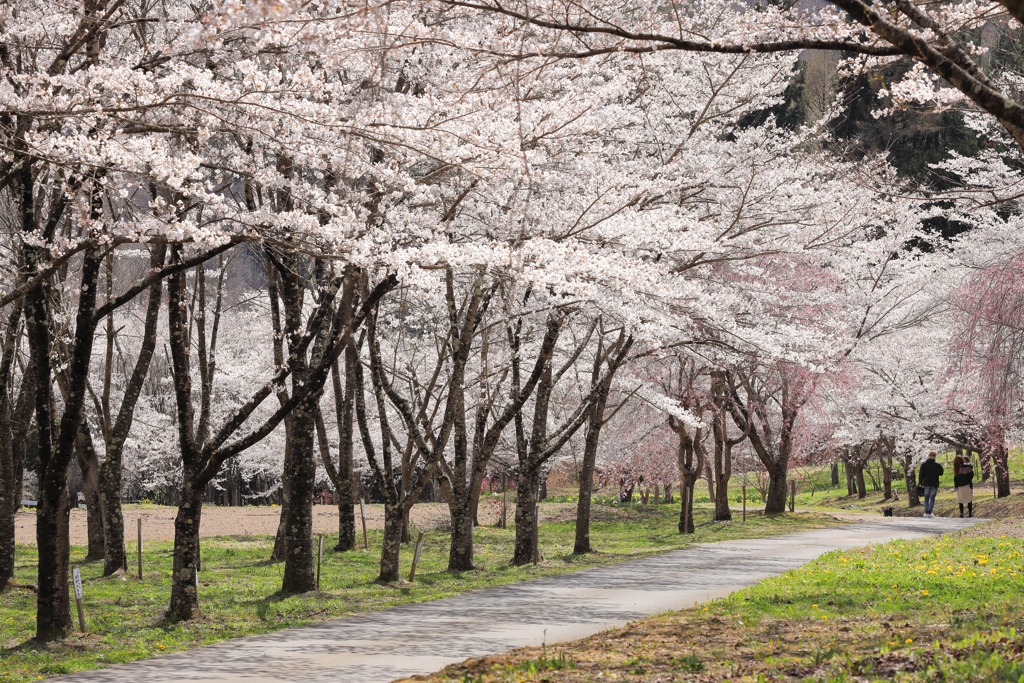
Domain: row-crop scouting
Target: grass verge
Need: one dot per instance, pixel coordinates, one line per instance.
(238, 586)
(940, 609)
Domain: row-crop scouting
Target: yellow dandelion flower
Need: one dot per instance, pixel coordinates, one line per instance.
(924, 592)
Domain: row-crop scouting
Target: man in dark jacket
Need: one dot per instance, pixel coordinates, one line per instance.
(928, 477)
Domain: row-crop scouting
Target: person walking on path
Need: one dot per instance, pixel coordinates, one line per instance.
(963, 483)
(928, 478)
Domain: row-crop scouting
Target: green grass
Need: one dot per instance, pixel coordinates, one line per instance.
(939, 609)
(949, 608)
(238, 586)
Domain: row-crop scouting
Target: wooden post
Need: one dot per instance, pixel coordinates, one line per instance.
(77, 578)
(140, 548)
(416, 557)
(319, 558)
(362, 515)
(792, 495)
(744, 498)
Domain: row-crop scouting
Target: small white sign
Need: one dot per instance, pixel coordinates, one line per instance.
(362, 508)
(77, 578)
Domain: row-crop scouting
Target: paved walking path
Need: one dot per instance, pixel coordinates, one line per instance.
(422, 638)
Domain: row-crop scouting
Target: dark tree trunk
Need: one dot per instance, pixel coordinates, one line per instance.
(908, 477)
(722, 510)
(835, 474)
(460, 553)
(885, 458)
(723, 446)
(594, 423)
(775, 501)
(999, 458)
(343, 487)
(299, 476)
(526, 519)
(12, 449)
(582, 543)
(53, 615)
(392, 544)
(8, 510)
(526, 548)
(89, 463)
(686, 487)
(53, 618)
(281, 535)
(861, 488)
(184, 594)
(299, 571)
(114, 557)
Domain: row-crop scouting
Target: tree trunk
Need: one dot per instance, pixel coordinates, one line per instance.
(775, 501)
(686, 488)
(114, 556)
(582, 543)
(460, 553)
(53, 614)
(11, 468)
(835, 474)
(8, 510)
(184, 594)
(908, 476)
(861, 488)
(526, 518)
(343, 407)
(89, 463)
(53, 617)
(594, 423)
(392, 545)
(997, 456)
(299, 570)
(722, 510)
(885, 457)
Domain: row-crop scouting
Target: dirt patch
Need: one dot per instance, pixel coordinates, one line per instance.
(158, 521)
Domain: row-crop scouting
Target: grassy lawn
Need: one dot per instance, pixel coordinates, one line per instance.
(238, 585)
(940, 609)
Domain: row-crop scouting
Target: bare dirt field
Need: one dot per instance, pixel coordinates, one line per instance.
(158, 520)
